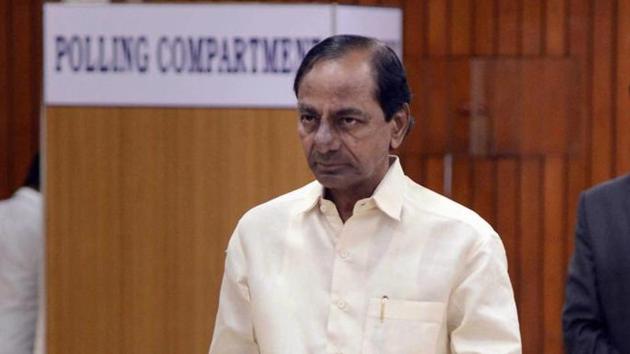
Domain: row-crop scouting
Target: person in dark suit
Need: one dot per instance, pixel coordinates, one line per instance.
(596, 315)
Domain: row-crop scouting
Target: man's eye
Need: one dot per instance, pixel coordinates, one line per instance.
(348, 121)
(307, 118)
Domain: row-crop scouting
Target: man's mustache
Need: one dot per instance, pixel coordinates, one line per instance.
(333, 158)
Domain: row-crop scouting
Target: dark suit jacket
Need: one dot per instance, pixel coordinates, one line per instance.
(596, 316)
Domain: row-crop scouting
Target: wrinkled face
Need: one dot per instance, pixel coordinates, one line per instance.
(341, 125)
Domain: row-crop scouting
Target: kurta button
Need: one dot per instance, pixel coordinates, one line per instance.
(341, 304)
(344, 254)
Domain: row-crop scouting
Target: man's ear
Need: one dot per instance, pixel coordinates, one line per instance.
(400, 124)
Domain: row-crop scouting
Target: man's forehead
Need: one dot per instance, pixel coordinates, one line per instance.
(337, 79)
(341, 108)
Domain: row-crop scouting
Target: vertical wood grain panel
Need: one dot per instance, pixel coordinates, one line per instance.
(392, 3)
(507, 215)
(532, 130)
(367, 2)
(530, 279)
(461, 27)
(553, 252)
(484, 189)
(5, 116)
(555, 119)
(84, 299)
(414, 40)
(37, 69)
(438, 25)
(433, 122)
(505, 102)
(20, 78)
(602, 98)
(434, 174)
(622, 78)
(414, 37)
(509, 27)
(412, 164)
(24, 87)
(484, 34)
(555, 29)
(462, 187)
(459, 106)
(578, 164)
(532, 27)
(507, 138)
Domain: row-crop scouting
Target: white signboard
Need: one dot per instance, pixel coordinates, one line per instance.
(228, 55)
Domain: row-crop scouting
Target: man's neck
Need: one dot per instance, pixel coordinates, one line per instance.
(345, 199)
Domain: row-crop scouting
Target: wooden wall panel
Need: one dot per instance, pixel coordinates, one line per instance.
(509, 29)
(5, 116)
(508, 195)
(603, 117)
(414, 44)
(555, 27)
(553, 252)
(438, 22)
(144, 202)
(462, 176)
(622, 86)
(484, 188)
(532, 30)
(461, 27)
(485, 18)
(20, 92)
(530, 304)
(434, 173)
(578, 164)
(433, 121)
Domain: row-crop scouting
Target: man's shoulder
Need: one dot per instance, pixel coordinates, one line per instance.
(616, 188)
(24, 203)
(432, 204)
(606, 202)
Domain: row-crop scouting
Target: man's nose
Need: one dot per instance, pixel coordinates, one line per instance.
(325, 139)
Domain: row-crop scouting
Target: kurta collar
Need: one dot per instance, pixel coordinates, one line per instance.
(388, 196)
(390, 193)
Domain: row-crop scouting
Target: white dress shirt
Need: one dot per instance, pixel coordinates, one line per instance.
(21, 253)
(409, 272)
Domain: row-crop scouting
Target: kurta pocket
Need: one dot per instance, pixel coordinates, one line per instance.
(402, 326)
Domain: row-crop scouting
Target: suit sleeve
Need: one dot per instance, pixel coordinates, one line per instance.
(234, 330)
(583, 325)
(482, 316)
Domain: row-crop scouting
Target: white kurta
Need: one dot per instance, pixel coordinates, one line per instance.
(21, 251)
(410, 272)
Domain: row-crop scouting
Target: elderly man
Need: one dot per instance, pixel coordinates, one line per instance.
(363, 260)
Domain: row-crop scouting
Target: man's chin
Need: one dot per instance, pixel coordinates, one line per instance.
(332, 181)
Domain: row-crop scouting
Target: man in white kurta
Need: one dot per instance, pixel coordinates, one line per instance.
(363, 260)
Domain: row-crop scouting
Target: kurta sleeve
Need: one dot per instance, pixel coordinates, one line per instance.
(482, 315)
(584, 329)
(233, 330)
